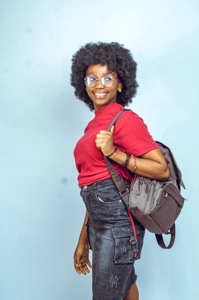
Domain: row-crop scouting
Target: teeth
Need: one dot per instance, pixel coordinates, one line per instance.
(100, 95)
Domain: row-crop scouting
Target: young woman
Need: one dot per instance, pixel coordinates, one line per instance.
(104, 78)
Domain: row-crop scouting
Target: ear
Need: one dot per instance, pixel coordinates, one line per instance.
(120, 85)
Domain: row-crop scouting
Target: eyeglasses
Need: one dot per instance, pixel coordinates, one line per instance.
(106, 81)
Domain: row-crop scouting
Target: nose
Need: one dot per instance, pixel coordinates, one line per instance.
(99, 83)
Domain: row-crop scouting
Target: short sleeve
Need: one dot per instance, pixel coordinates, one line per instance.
(131, 135)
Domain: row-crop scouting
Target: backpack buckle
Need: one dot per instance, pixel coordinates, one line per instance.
(124, 192)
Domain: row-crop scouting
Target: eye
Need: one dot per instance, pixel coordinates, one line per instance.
(92, 78)
(90, 81)
(108, 78)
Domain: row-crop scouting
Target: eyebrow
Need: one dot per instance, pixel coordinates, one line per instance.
(104, 74)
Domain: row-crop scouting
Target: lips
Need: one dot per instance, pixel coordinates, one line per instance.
(100, 95)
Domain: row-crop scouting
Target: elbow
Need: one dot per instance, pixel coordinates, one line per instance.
(165, 174)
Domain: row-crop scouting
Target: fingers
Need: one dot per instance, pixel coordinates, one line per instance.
(83, 267)
(89, 264)
(106, 131)
(103, 134)
(82, 263)
(104, 140)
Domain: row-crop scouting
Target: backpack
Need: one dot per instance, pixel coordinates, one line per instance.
(155, 204)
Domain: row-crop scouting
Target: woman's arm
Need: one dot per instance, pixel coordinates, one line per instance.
(81, 255)
(152, 164)
(83, 234)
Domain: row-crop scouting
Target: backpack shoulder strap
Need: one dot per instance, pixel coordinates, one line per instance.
(117, 117)
(116, 178)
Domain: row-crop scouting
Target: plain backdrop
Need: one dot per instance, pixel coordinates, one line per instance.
(41, 211)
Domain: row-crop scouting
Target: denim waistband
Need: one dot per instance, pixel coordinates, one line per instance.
(103, 183)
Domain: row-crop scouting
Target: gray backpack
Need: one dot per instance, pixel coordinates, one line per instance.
(155, 204)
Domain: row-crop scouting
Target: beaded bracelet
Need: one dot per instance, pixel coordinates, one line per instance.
(112, 153)
(125, 164)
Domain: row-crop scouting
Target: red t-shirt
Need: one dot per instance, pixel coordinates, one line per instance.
(130, 136)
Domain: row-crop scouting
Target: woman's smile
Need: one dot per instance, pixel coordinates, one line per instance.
(102, 95)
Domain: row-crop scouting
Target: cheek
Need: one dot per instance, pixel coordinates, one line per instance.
(87, 91)
(89, 94)
(114, 90)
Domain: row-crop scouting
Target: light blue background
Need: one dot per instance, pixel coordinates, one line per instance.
(41, 212)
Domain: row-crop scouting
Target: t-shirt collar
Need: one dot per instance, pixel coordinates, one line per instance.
(107, 108)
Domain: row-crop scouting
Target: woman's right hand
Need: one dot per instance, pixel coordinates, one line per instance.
(81, 259)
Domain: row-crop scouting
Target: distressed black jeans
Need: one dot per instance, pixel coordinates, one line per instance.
(111, 240)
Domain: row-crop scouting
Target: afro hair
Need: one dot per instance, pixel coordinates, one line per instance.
(116, 57)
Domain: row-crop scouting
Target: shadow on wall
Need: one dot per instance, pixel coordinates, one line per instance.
(173, 269)
(183, 139)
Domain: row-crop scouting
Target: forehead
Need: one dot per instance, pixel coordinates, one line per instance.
(99, 70)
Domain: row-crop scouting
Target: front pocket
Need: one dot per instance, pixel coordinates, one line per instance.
(108, 196)
(125, 245)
